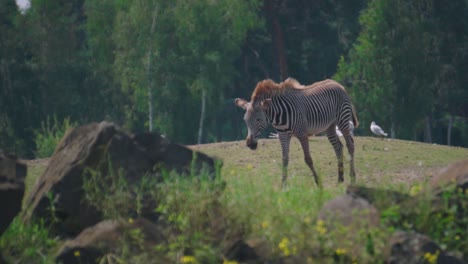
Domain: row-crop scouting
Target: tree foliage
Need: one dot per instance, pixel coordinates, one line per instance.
(394, 69)
(175, 66)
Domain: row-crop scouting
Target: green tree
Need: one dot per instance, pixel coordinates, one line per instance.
(451, 81)
(392, 66)
(18, 98)
(186, 49)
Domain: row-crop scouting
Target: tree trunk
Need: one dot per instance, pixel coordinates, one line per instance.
(392, 121)
(202, 117)
(392, 130)
(449, 130)
(150, 92)
(427, 130)
(148, 73)
(278, 37)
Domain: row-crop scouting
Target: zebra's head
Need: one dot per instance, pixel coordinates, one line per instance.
(255, 118)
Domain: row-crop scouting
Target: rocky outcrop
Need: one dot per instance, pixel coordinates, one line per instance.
(380, 198)
(349, 211)
(410, 247)
(12, 175)
(346, 213)
(95, 242)
(102, 147)
(456, 173)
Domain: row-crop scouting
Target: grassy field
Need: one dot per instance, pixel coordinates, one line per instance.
(378, 162)
(284, 220)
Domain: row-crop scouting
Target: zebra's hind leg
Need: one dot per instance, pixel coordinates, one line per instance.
(285, 140)
(304, 140)
(336, 143)
(350, 146)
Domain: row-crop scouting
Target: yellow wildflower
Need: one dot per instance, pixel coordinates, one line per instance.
(130, 220)
(230, 262)
(340, 251)
(457, 237)
(320, 227)
(265, 224)
(280, 201)
(431, 258)
(414, 190)
(284, 246)
(188, 259)
(77, 253)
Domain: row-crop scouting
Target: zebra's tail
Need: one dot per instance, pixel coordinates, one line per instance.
(354, 114)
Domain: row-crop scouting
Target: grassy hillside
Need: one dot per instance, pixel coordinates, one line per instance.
(377, 162)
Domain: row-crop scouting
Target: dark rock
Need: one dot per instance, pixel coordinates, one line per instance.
(2, 260)
(102, 147)
(346, 213)
(350, 211)
(241, 251)
(107, 237)
(454, 174)
(12, 175)
(380, 198)
(408, 248)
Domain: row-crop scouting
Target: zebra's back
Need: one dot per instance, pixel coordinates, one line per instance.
(319, 105)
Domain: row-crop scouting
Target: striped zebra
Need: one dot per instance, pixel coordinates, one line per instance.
(297, 110)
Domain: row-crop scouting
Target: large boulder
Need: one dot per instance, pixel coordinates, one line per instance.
(410, 247)
(58, 196)
(349, 211)
(456, 173)
(12, 175)
(345, 214)
(380, 198)
(109, 236)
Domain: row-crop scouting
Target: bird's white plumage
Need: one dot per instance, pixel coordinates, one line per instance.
(273, 135)
(378, 131)
(351, 130)
(338, 132)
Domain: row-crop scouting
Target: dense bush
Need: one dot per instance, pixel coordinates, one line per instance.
(49, 136)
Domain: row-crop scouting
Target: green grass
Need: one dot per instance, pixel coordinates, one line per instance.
(377, 162)
(284, 222)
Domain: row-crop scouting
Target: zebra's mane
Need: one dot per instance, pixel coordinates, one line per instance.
(269, 88)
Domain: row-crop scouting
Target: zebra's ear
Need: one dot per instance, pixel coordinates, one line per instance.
(241, 103)
(265, 104)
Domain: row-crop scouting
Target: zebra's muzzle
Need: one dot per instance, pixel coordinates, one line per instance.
(251, 143)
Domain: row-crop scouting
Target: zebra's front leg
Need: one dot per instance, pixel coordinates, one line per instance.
(304, 140)
(336, 143)
(285, 140)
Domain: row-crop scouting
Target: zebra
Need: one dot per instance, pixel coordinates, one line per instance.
(297, 110)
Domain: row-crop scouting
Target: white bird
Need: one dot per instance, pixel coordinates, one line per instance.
(351, 129)
(338, 132)
(378, 131)
(273, 135)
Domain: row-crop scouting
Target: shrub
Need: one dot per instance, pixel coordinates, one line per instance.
(49, 136)
(23, 243)
(189, 204)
